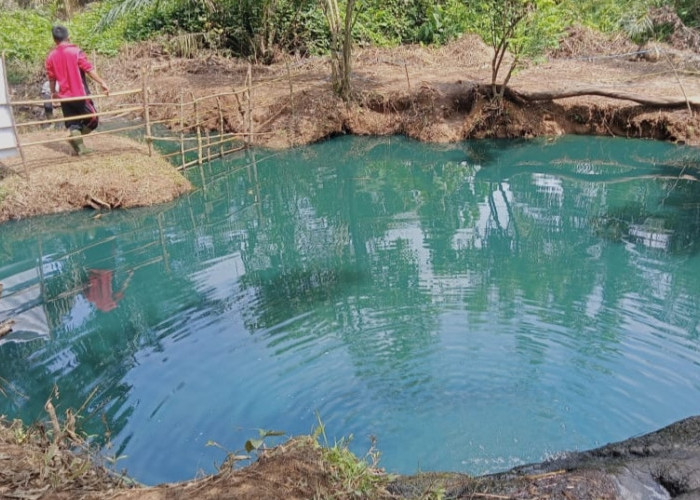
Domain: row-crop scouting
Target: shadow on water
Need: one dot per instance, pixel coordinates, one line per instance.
(440, 286)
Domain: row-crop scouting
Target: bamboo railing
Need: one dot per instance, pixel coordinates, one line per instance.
(201, 138)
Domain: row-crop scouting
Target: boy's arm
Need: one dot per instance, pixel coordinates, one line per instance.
(97, 78)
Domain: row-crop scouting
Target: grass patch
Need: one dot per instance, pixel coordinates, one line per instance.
(353, 476)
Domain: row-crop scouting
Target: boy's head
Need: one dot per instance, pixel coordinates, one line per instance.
(60, 34)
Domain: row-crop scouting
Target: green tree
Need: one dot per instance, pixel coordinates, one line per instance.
(515, 28)
(341, 44)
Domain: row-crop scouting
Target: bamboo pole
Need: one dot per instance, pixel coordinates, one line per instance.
(189, 164)
(38, 102)
(79, 117)
(164, 120)
(92, 134)
(146, 113)
(220, 94)
(172, 139)
(204, 98)
(218, 143)
(226, 135)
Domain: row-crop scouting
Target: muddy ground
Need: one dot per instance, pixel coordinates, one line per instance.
(430, 94)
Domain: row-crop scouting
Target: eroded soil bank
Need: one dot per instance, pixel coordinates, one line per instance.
(438, 94)
(430, 94)
(660, 465)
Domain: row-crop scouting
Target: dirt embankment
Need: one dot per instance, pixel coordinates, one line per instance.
(430, 94)
(440, 94)
(660, 465)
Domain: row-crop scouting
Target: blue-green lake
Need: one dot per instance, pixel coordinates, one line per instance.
(475, 306)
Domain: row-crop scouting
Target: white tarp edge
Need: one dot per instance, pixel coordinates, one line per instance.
(8, 140)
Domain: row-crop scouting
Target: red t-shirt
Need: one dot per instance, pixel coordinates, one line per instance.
(66, 64)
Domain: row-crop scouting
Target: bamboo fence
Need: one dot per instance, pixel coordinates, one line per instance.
(196, 140)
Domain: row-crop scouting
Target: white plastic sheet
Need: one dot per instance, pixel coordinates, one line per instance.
(8, 140)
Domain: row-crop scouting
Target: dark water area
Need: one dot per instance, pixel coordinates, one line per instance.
(474, 306)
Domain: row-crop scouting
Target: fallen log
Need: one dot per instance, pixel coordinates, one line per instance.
(551, 95)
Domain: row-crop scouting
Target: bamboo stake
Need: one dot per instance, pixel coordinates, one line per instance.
(221, 126)
(208, 146)
(182, 131)
(291, 104)
(146, 113)
(249, 84)
(199, 130)
(408, 80)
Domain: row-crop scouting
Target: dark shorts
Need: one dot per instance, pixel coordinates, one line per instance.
(77, 108)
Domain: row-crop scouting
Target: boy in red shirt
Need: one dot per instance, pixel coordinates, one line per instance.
(68, 66)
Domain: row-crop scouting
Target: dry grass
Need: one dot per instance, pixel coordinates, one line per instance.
(118, 174)
(38, 464)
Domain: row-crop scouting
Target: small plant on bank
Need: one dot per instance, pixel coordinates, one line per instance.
(355, 477)
(252, 447)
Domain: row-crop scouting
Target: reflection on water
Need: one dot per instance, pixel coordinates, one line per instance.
(474, 306)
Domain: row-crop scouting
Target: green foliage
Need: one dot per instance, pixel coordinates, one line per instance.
(261, 29)
(255, 444)
(395, 22)
(25, 35)
(688, 11)
(355, 477)
(540, 29)
(106, 41)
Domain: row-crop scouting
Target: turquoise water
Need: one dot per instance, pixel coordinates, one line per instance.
(474, 306)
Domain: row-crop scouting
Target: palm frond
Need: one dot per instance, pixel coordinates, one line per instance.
(123, 8)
